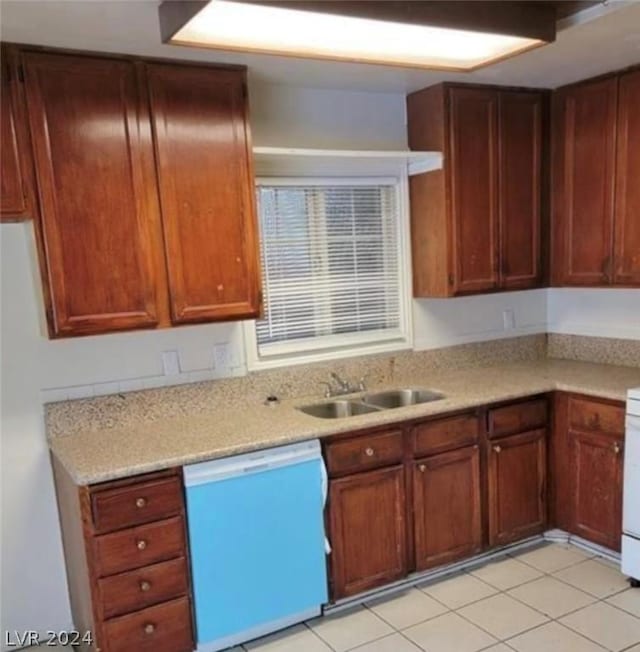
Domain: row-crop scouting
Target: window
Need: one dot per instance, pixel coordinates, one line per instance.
(333, 280)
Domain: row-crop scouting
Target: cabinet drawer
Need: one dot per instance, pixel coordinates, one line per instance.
(139, 546)
(445, 434)
(143, 587)
(518, 418)
(114, 509)
(165, 627)
(593, 415)
(364, 452)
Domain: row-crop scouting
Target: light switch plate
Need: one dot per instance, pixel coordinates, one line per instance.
(508, 319)
(222, 356)
(170, 363)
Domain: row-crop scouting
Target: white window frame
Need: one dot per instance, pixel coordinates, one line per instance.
(287, 354)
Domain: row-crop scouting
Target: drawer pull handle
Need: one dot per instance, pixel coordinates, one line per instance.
(141, 502)
(141, 545)
(145, 586)
(422, 468)
(149, 628)
(497, 448)
(369, 452)
(617, 448)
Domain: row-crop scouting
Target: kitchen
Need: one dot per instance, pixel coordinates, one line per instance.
(531, 351)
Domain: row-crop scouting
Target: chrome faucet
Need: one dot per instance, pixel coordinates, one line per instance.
(342, 387)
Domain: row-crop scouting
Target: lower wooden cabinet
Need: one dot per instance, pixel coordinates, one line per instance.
(367, 530)
(126, 554)
(586, 466)
(517, 486)
(447, 507)
(597, 481)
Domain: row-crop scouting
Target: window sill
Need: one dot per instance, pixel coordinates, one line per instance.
(326, 355)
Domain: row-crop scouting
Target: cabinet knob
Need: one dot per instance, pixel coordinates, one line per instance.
(141, 545)
(141, 502)
(149, 628)
(145, 586)
(594, 421)
(369, 452)
(422, 468)
(617, 448)
(497, 448)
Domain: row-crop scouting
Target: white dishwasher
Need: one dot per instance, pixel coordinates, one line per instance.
(256, 542)
(631, 495)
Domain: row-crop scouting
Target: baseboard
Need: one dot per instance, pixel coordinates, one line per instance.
(554, 536)
(420, 577)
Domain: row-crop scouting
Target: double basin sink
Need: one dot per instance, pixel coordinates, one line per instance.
(374, 402)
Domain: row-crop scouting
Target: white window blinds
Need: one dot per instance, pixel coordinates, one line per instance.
(330, 266)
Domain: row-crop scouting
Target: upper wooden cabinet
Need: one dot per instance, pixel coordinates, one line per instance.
(596, 140)
(520, 197)
(206, 191)
(17, 201)
(584, 128)
(99, 217)
(473, 182)
(476, 224)
(146, 192)
(626, 237)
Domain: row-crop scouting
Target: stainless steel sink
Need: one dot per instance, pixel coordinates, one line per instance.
(338, 409)
(374, 402)
(396, 398)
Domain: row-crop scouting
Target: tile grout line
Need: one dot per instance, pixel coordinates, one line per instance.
(497, 640)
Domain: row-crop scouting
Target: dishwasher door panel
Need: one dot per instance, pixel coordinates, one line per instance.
(257, 549)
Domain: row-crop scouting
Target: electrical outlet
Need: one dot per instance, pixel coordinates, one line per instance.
(170, 363)
(508, 319)
(221, 356)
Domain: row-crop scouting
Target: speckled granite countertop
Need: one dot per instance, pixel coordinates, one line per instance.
(115, 453)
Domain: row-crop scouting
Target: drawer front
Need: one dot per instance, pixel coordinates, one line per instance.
(445, 434)
(519, 417)
(163, 628)
(595, 416)
(140, 588)
(139, 546)
(114, 509)
(366, 452)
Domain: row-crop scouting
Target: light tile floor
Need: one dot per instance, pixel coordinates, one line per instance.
(554, 598)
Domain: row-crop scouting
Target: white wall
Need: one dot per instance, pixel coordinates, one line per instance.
(598, 313)
(447, 322)
(33, 583)
(287, 116)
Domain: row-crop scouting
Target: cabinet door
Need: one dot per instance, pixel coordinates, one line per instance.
(520, 188)
(206, 191)
(627, 218)
(597, 487)
(473, 179)
(583, 182)
(94, 163)
(16, 198)
(446, 494)
(517, 487)
(367, 523)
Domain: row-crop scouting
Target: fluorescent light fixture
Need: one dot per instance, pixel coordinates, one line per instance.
(230, 25)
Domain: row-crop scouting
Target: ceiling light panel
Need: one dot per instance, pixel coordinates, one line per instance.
(230, 25)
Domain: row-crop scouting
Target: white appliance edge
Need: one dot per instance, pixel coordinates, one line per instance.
(631, 495)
